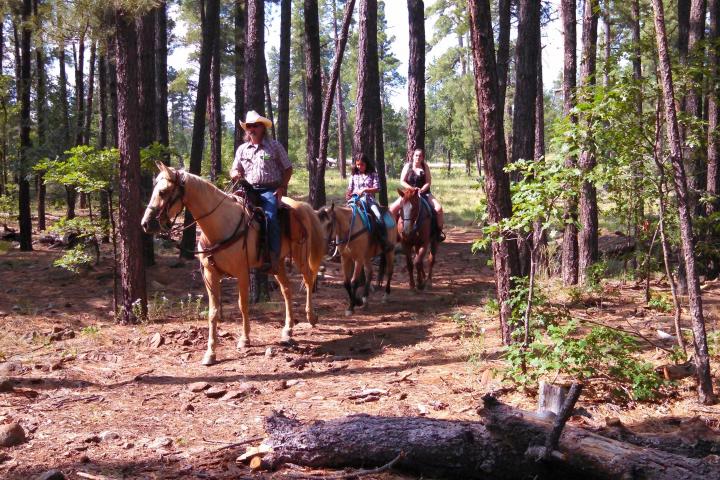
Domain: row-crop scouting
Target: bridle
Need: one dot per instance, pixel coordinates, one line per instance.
(176, 195)
(414, 220)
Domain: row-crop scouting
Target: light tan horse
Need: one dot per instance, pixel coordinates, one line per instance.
(357, 248)
(229, 240)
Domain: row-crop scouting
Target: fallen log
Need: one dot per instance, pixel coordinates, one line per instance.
(502, 445)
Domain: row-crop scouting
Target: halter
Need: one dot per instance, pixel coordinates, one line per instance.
(176, 194)
(419, 219)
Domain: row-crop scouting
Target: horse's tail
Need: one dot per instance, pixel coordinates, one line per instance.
(314, 239)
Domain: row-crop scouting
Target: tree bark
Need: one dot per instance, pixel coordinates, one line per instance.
(437, 448)
(25, 145)
(340, 108)
(70, 194)
(539, 236)
(209, 37)
(146, 103)
(588, 235)
(503, 50)
(367, 110)
(239, 65)
(161, 85)
(90, 92)
(214, 113)
(570, 259)
(255, 57)
(497, 183)
(313, 107)
(112, 93)
(694, 155)
(702, 363)
(637, 182)
(132, 270)
(713, 143)
(80, 87)
(41, 108)
(284, 73)
(102, 133)
(332, 84)
(416, 77)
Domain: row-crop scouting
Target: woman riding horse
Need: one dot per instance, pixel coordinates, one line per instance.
(228, 244)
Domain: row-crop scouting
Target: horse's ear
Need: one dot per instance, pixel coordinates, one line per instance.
(161, 166)
(332, 206)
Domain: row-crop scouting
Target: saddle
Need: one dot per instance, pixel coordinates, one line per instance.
(375, 227)
(251, 197)
(434, 227)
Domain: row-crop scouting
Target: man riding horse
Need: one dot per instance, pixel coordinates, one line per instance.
(264, 164)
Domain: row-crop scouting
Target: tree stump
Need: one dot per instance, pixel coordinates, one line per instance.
(551, 397)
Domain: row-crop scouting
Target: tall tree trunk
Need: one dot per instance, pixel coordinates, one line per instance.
(25, 145)
(416, 77)
(80, 87)
(210, 30)
(713, 149)
(694, 155)
(313, 86)
(3, 107)
(90, 92)
(255, 57)
(239, 64)
(132, 271)
(40, 109)
(254, 100)
(503, 50)
(702, 362)
(368, 91)
(340, 108)
(215, 114)
(70, 193)
(539, 235)
(103, 133)
(588, 235)
(284, 73)
(497, 183)
(146, 104)
(332, 84)
(570, 236)
(112, 93)
(162, 134)
(637, 76)
(523, 125)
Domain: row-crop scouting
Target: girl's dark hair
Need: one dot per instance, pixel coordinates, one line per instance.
(410, 157)
(369, 167)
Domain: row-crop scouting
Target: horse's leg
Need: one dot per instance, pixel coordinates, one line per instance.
(418, 261)
(243, 283)
(431, 264)
(389, 267)
(409, 262)
(212, 284)
(310, 280)
(368, 281)
(286, 291)
(347, 267)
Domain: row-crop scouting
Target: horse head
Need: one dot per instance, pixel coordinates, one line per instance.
(166, 201)
(410, 208)
(328, 221)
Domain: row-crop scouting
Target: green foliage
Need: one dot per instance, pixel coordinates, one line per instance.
(75, 260)
(713, 339)
(473, 335)
(83, 167)
(9, 200)
(602, 353)
(90, 331)
(661, 303)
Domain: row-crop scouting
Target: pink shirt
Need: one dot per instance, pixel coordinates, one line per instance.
(360, 181)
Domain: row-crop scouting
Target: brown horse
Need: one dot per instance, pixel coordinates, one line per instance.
(228, 244)
(416, 236)
(357, 248)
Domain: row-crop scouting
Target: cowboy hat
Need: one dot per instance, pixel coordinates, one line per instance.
(253, 117)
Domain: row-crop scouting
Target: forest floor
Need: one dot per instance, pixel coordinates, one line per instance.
(117, 401)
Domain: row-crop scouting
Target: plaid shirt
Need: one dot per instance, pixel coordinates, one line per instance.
(263, 164)
(360, 181)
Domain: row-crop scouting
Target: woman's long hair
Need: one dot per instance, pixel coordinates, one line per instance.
(369, 167)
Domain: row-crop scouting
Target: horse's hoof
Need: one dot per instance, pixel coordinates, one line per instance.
(209, 359)
(288, 342)
(312, 319)
(348, 313)
(286, 336)
(365, 304)
(243, 343)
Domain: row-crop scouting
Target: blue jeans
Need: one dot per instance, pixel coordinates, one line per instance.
(270, 206)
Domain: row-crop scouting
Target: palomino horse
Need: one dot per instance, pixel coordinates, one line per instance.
(357, 248)
(416, 237)
(228, 244)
